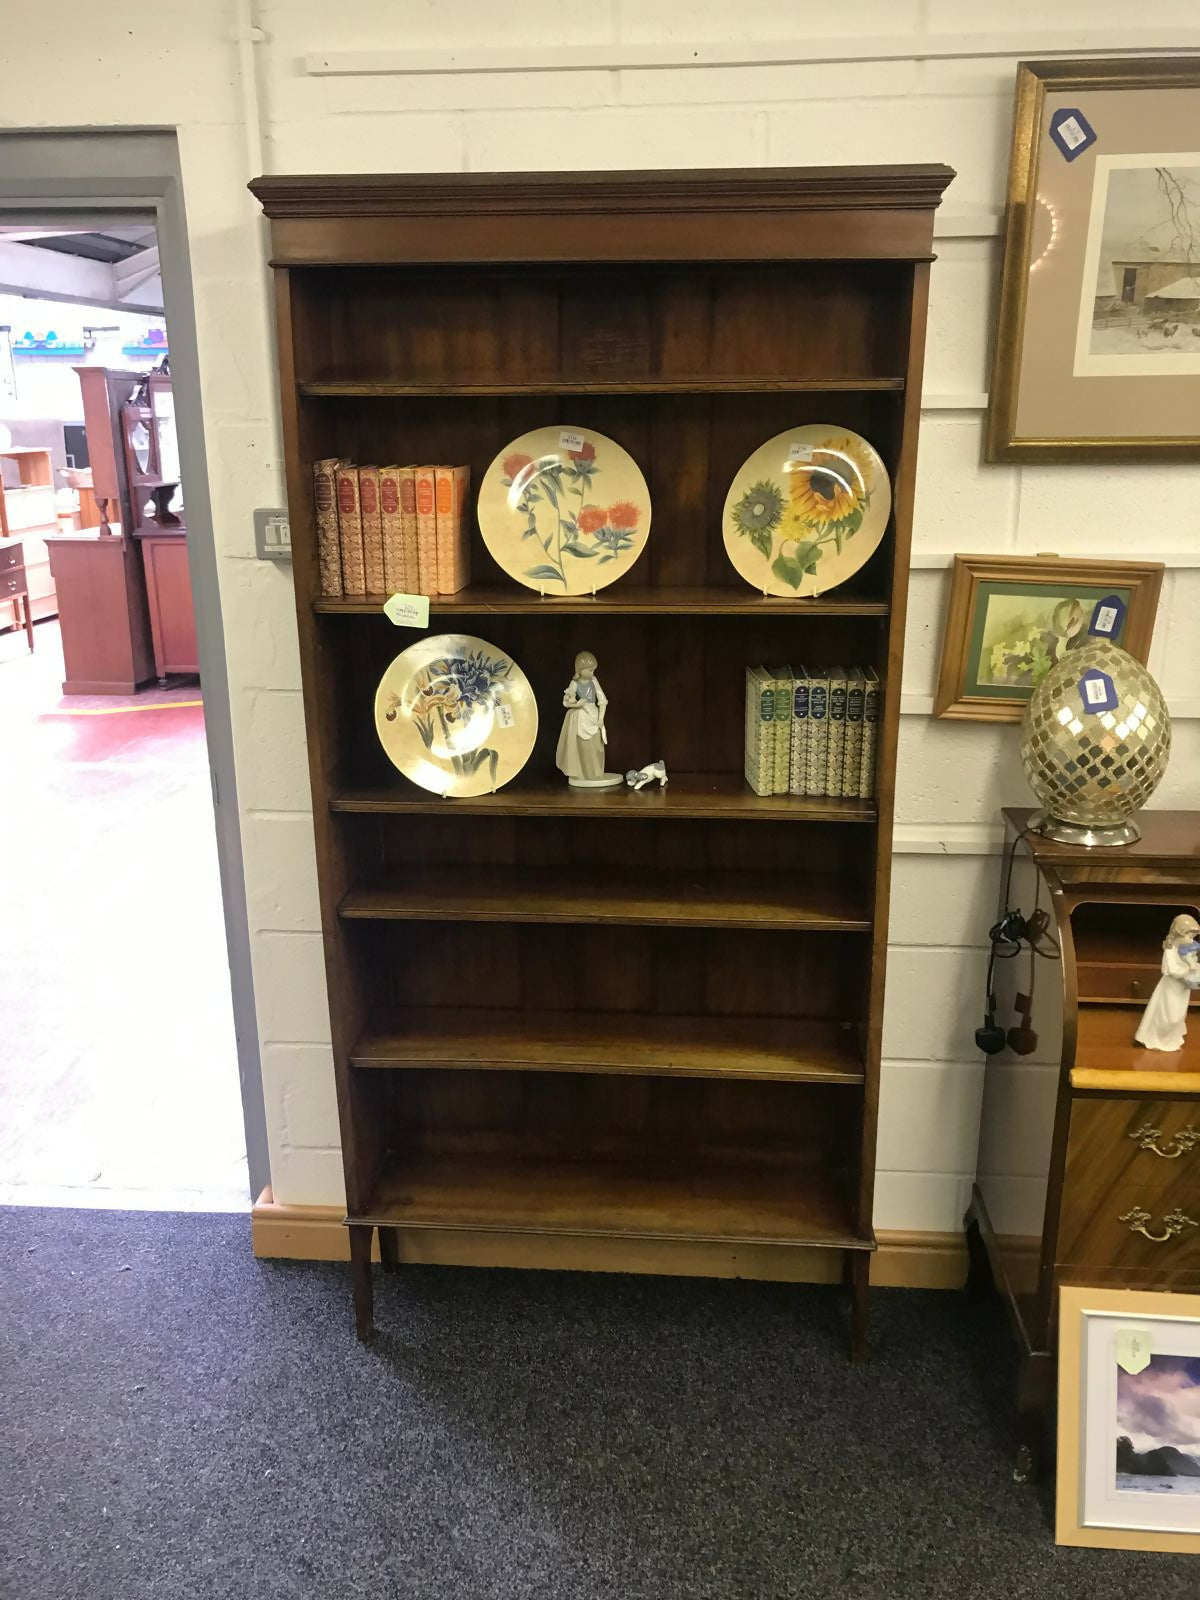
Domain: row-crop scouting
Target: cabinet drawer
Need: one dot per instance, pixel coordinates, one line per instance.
(1117, 981)
(12, 581)
(1137, 1230)
(11, 555)
(1147, 1144)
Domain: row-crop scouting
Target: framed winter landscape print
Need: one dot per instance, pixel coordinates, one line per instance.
(1011, 618)
(1129, 1420)
(1097, 351)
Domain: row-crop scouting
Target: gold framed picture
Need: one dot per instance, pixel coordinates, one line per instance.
(1011, 618)
(1128, 1420)
(1097, 352)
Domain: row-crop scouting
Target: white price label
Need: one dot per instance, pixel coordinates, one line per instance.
(408, 610)
(504, 716)
(1071, 134)
(571, 441)
(1095, 691)
(1131, 1346)
(1106, 619)
(800, 452)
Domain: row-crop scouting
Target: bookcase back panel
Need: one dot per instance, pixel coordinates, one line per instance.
(689, 448)
(618, 324)
(676, 689)
(812, 851)
(666, 971)
(586, 1118)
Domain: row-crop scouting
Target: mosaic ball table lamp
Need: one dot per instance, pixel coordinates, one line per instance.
(1095, 739)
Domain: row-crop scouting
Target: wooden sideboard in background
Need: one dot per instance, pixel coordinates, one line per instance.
(27, 513)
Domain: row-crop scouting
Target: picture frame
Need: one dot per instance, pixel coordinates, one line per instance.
(1094, 356)
(1009, 618)
(1125, 1437)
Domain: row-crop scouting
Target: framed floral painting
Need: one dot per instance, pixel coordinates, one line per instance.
(1097, 353)
(1128, 1420)
(1011, 618)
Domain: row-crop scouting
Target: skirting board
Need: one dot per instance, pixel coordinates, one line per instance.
(902, 1260)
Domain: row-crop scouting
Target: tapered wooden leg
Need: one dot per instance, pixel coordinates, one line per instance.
(389, 1249)
(858, 1272)
(360, 1273)
(28, 621)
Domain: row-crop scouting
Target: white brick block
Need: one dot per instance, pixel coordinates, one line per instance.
(931, 1007)
(372, 143)
(299, 27)
(1126, 511)
(958, 771)
(962, 503)
(238, 371)
(929, 1116)
(308, 1178)
(272, 752)
(1173, 650)
(978, 76)
(1034, 17)
(961, 301)
(944, 900)
(1016, 1206)
(921, 1202)
(281, 873)
(1018, 1125)
(464, 91)
(245, 470)
(226, 230)
(670, 21)
(928, 590)
(1178, 788)
(301, 1095)
(603, 140)
(258, 607)
(782, 84)
(289, 988)
(965, 133)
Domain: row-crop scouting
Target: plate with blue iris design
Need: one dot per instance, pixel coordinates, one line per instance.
(456, 715)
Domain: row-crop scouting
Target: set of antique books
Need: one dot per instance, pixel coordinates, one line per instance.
(811, 730)
(391, 530)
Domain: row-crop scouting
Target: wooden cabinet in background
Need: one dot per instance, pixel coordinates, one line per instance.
(169, 593)
(1117, 1168)
(27, 512)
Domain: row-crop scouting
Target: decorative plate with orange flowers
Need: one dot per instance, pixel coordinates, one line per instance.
(564, 510)
(807, 510)
(456, 715)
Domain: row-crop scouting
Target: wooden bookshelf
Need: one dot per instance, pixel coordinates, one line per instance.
(642, 1016)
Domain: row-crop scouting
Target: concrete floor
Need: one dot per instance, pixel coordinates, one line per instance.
(118, 1067)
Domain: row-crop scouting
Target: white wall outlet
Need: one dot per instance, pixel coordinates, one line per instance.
(272, 534)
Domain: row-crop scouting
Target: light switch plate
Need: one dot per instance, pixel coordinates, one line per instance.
(272, 534)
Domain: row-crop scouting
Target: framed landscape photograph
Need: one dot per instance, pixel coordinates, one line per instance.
(1129, 1420)
(1011, 618)
(1097, 351)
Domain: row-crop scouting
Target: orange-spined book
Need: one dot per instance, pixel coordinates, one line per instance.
(453, 545)
(427, 563)
(372, 526)
(354, 572)
(329, 551)
(395, 574)
(408, 529)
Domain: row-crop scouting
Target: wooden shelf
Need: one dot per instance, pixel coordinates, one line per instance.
(708, 796)
(700, 383)
(620, 1043)
(1106, 1056)
(649, 897)
(509, 600)
(722, 1204)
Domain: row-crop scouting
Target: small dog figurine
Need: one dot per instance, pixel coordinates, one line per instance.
(639, 780)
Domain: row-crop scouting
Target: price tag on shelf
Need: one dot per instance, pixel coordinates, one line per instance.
(1131, 1346)
(408, 610)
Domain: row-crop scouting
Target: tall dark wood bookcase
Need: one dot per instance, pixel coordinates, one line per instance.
(627, 1030)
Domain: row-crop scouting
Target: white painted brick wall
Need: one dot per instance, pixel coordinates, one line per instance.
(178, 65)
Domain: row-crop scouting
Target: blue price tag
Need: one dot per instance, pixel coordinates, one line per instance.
(1108, 617)
(1097, 691)
(1071, 132)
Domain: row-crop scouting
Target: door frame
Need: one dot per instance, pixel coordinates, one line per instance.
(101, 170)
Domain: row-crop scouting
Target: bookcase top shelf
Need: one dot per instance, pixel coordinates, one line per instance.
(380, 389)
(620, 600)
(709, 796)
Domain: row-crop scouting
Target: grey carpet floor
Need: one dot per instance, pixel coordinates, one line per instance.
(178, 1420)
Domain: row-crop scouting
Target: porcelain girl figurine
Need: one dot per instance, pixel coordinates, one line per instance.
(581, 744)
(1164, 1021)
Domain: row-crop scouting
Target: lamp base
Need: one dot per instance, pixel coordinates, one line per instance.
(1091, 838)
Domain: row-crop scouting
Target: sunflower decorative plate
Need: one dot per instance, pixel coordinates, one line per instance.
(806, 510)
(564, 510)
(456, 715)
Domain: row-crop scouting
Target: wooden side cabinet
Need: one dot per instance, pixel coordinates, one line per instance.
(1089, 1167)
(169, 591)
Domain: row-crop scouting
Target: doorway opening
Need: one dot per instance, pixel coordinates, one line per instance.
(119, 1062)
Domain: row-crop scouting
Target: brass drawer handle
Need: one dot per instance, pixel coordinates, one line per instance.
(1148, 1139)
(1174, 1223)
